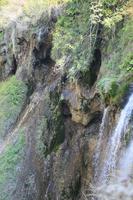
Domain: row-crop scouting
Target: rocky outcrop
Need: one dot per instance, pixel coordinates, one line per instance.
(83, 103)
(25, 48)
(60, 120)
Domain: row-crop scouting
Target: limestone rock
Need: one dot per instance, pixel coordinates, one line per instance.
(83, 108)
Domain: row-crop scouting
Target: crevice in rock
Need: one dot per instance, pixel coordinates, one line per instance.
(42, 51)
(14, 65)
(97, 118)
(42, 62)
(95, 66)
(21, 41)
(65, 110)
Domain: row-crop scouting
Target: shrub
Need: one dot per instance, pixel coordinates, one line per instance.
(118, 62)
(108, 87)
(112, 89)
(71, 38)
(75, 37)
(127, 63)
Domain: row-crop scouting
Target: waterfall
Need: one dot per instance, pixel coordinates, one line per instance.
(13, 38)
(99, 143)
(126, 164)
(114, 144)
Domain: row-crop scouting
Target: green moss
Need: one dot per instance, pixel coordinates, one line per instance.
(126, 33)
(57, 122)
(121, 90)
(119, 49)
(41, 130)
(12, 98)
(9, 161)
(127, 63)
(113, 89)
(108, 87)
(54, 124)
(117, 64)
(1, 36)
(59, 135)
(57, 131)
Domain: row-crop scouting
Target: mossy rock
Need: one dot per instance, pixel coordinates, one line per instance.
(10, 160)
(12, 98)
(56, 129)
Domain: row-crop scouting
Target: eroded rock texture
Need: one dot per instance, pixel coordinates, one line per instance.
(60, 119)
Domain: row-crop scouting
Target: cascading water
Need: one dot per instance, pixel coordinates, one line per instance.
(99, 144)
(126, 164)
(113, 178)
(115, 141)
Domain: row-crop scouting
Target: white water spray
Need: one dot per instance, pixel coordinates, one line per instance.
(99, 144)
(114, 144)
(126, 164)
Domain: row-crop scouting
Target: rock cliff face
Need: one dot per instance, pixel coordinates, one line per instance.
(59, 120)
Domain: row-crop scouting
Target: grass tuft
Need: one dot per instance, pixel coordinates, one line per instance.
(12, 97)
(9, 166)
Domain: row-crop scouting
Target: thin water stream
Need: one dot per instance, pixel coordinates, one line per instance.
(98, 152)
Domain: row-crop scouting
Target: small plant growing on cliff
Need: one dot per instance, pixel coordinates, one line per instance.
(112, 89)
(108, 87)
(127, 63)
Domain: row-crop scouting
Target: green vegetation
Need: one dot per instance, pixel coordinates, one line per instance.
(118, 64)
(75, 39)
(9, 162)
(113, 12)
(127, 63)
(59, 134)
(3, 2)
(56, 122)
(112, 89)
(1, 36)
(75, 36)
(108, 87)
(41, 129)
(55, 126)
(12, 97)
(37, 8)
(30, 8)
(71, 39)
(51, 124)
